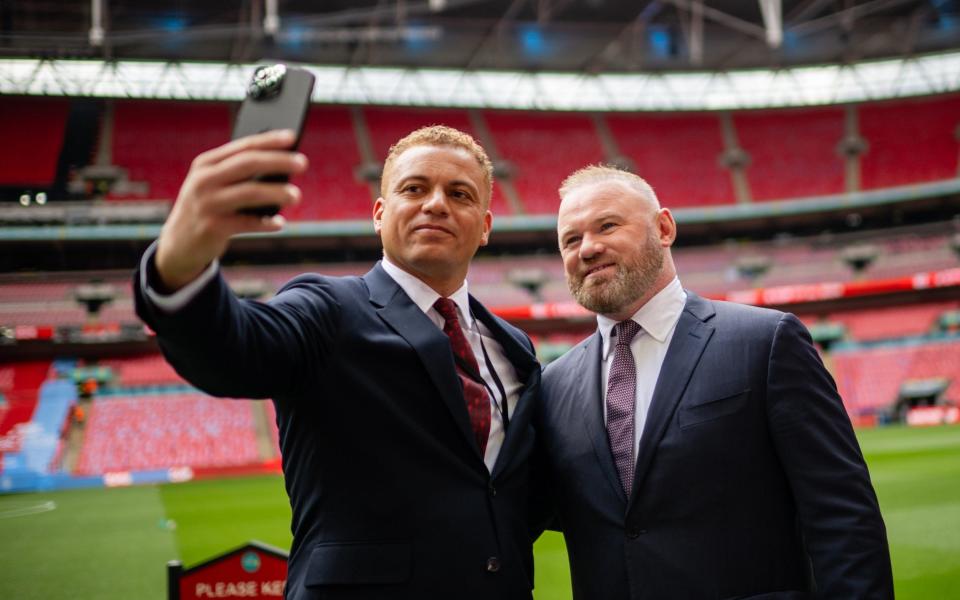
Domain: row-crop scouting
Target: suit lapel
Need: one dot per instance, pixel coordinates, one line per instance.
(689, 339)
(528, 372)
(431, 344)
(589, 395)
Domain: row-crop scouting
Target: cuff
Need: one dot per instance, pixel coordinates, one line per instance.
(170, 303)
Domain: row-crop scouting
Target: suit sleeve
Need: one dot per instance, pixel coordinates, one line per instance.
(840, 518)
(239, 348)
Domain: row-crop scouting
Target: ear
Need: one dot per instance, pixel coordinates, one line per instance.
(487, 226)
(378, 215)
(666, 227)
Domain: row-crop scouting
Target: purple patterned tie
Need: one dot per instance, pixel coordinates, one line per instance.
(621, 403)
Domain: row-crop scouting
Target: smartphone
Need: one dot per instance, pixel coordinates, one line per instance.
(278, 97)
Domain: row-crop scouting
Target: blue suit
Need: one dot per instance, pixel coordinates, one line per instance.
(389, 491)
(749, 481)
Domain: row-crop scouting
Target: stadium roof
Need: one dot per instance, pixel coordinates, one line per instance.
(555, 35)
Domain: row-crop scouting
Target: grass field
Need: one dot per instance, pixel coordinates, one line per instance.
(113, 544)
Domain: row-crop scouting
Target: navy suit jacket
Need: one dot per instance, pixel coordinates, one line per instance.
(749, 481)
(389, 492)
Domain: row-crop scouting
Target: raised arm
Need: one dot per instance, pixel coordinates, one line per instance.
(219, 184)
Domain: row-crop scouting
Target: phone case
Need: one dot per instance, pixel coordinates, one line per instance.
(278, 98)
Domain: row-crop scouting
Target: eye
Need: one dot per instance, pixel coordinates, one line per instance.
(413, 188)
(607, 226)
(571, 241)
(462, 195)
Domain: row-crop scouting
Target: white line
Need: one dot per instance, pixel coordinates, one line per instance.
(33, 509)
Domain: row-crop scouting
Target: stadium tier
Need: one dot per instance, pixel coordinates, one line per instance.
(331, 187)
(779, 141)
(542, 149)
(156, 141)
(33, 132)
(139, 371)
(133, 433)
(910, 141)
(870, 379)
(889, 322)
(691, 159)
(19, 389)
(679, 155)
(709, 270)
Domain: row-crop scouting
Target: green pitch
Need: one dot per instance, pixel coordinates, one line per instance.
(108, 544)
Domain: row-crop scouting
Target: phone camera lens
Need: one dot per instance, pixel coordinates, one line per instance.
(267, 81)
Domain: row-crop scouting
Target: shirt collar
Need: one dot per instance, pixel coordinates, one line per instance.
(425, 296)
(657, 317)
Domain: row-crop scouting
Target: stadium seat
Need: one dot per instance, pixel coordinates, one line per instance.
(793, 154)
(33, 130)
(678, 154)
(157, 140)
(543, 149)
(155, 432)
(910, 141)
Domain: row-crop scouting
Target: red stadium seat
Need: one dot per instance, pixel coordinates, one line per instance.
(678, 154)
(544, 148)
(156, 141)
(792, 153)
(910, 141)
(172, 430)
(33, 130)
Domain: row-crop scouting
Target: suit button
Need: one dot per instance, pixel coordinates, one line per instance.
(493, 491)
(493, 564)
(635, 533)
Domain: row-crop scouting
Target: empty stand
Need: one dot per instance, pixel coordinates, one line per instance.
(909, 141)
(678, 154)
(792, 153)
(156, 141)
(151, 369)
(33, 130)
(330, 187)
(19, 386)
(891, 322)
(869, 379)
(544, 148)
(155, 432)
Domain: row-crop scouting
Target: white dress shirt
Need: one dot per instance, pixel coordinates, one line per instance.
(424, 297)
(658, 320)
(476, 333)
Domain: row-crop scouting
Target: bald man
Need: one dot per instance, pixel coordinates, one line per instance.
(699, 449)
(404, 405)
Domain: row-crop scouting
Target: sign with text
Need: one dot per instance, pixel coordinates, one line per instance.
(251, 571)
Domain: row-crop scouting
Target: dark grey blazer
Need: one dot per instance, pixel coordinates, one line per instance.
(389, 492)
(749, 480)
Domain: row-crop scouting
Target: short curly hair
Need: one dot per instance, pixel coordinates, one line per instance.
(440, 135)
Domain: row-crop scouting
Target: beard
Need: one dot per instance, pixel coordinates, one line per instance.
(632, 280)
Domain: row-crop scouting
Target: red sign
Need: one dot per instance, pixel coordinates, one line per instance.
(251, 571)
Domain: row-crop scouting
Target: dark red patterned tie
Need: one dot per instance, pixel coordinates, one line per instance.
(475, 394)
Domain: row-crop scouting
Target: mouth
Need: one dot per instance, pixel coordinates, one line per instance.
(598, 269)
(433, 228)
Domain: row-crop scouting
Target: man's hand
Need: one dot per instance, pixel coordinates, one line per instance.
(220, 182)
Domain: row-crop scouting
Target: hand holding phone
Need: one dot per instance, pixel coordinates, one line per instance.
(278, 97)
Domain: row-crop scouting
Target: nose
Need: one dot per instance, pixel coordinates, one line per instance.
(435, 202)
(589, 247)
